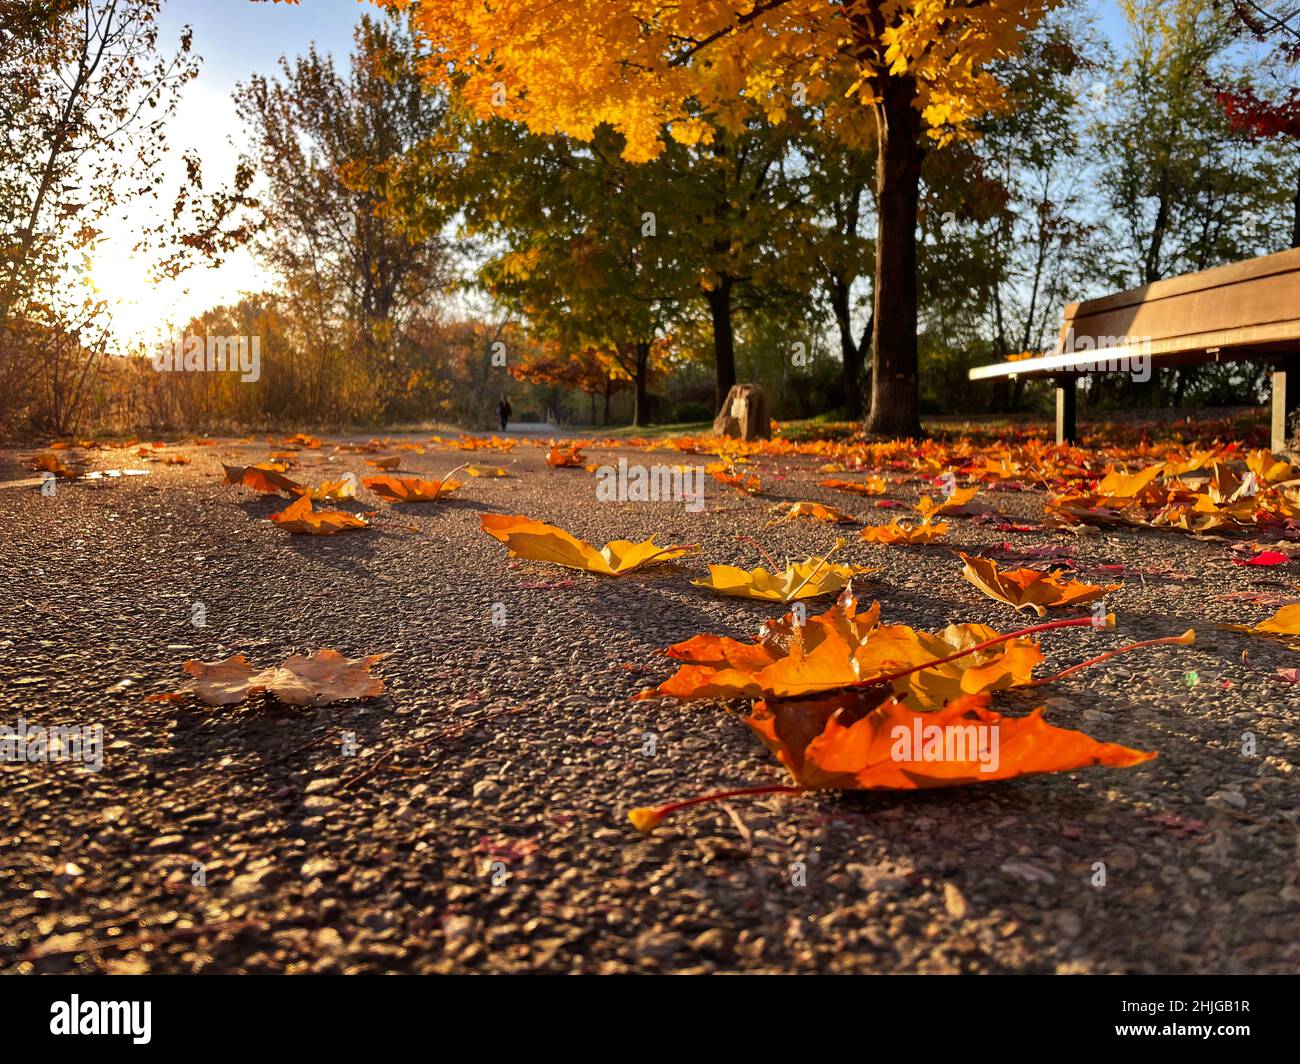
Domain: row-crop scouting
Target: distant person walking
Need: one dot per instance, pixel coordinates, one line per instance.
(504, 412)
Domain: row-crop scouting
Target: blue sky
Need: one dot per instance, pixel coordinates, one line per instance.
(236, 38)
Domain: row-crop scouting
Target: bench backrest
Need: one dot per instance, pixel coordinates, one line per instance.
(1244, 304)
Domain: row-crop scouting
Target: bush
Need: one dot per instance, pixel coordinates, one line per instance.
(685, 413)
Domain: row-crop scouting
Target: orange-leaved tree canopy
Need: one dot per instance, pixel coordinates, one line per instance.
(651, 68)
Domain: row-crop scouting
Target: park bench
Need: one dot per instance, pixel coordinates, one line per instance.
(1243, 312)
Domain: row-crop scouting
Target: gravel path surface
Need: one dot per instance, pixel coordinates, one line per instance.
(480, 824)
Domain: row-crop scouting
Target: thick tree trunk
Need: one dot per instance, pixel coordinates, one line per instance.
(895, 383)
(724, 341)
(850, 351)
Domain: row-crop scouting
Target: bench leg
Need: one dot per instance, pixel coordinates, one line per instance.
(1067, 396)
(1286, 401)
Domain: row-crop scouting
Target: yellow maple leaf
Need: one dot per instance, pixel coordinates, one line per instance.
(332, 489)
(817, 511)
(1285, 622)
(896, 532)
(535, 540)
(800, 580)
(929, 509)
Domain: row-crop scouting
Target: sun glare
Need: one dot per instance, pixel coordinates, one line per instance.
(144, 310)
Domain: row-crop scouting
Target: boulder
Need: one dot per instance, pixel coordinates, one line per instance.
(744, 414)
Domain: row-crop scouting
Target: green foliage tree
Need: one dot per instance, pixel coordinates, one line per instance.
(332, 148)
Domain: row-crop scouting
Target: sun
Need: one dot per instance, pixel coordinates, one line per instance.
(143, 310)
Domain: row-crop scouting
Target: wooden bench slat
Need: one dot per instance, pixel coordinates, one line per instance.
(1244, 311)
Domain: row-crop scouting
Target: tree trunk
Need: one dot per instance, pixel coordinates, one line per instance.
(849, 350)
(724, 342)
(1152, 270)
(641, 410)
(1295, 231)
(895, 383)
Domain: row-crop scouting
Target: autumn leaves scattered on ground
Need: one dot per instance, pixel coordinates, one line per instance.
(845, 698)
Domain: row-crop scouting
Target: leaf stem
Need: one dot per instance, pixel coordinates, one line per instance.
(1186, 639)
(446, 478)
(759, 547)
(821, 564)
(647, 819)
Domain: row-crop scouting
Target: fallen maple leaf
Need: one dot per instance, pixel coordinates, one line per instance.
(559, 457)
(265, 477)
(51, 463)
(893, 747)
(332, 489)
(324, 677)
(385, 463)
(535, 540)
(846, 648)
(1030, 588)
(409, 489)
(897, 532)
(872, 486)
(1268, 557)
(793, 511)
(299, 518)
(726, 473)
(956, 500)
(1121, 485)
(486, 471)
(1269, 469)
(1285, 622)
(837, 744)
(800, 580)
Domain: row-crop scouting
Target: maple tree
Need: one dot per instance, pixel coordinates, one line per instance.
(686, 71)
(592, 370)
(1010, 218)
(86, 92)
(580, 273)
(626, 259)
(833, 246)
(1274, 111)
